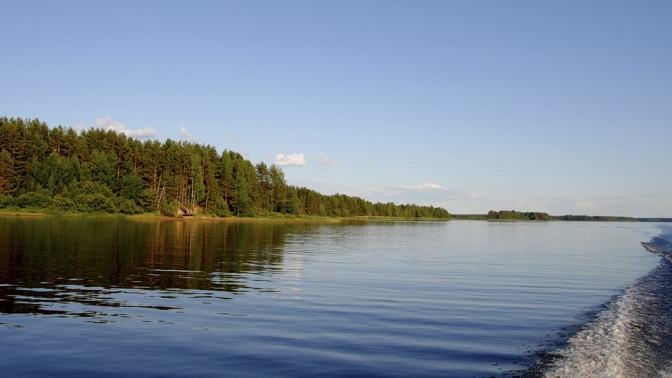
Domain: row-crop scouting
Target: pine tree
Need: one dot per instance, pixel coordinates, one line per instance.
(6, 173)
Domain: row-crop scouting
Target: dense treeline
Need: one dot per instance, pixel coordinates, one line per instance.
(469, 216)
(516, 215)
(103, 171)
(593, 218)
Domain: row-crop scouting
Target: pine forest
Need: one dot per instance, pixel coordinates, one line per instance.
(58, 169)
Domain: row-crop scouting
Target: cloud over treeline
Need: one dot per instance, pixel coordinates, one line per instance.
(290, 159)
(108, 124)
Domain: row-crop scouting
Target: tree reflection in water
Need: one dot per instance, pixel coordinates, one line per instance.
(82, 266)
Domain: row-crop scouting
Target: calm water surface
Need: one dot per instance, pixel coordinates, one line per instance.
(114, 297)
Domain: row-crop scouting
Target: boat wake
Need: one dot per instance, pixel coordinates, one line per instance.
(630, 337)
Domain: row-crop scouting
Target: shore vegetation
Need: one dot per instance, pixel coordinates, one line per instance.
(62, 171)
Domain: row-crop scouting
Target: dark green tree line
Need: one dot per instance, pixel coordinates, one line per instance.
(517, 215)
(593, 218)
(100, 170)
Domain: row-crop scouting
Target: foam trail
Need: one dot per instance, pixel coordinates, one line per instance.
(653, 249)
(631, 337)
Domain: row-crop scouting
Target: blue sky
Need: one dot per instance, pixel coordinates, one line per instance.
(564, 107)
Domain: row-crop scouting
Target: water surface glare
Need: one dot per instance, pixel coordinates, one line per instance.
(114, 297)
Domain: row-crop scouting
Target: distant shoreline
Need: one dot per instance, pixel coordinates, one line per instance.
(480, 217)
(560, 218)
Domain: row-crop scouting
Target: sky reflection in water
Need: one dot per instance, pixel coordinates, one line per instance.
(111, 297)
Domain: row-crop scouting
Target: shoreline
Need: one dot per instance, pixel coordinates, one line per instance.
(22, 214)
(304, 218)
(229, 219)
(156, 217)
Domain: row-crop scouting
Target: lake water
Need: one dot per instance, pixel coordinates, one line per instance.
(184, 298)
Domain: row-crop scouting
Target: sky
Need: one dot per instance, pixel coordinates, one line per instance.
(556, 106)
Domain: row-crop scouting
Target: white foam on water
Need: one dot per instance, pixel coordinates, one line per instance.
(631, 337)
(596, 350)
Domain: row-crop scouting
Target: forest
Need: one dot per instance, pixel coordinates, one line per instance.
(595, 218)
(58, 169)
(517, 215)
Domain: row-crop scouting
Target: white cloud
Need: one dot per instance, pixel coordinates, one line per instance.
(109, 124)
(325, 160)
(432, 186)
(368, 162)
(79, 128)
(290, 159)
(186, 135)
(146, 133)
(426, 185)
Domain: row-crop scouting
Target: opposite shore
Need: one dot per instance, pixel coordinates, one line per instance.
(312, 218)
(159, 217)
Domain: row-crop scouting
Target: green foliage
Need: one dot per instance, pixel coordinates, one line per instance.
(7, 174)
(149, 200)
(94, 203)
(593, 218)
(7, 201)
(102, 171)
(60, 203)
(90, 187)
(132, 187)
(34, 200)
(169, 208)
(129, 207)
(104, 168)
(469, 216)
(221, 209)
(516, 215)
(287, 207)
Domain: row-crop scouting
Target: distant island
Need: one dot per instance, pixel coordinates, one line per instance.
(58, 170)
(537, 216)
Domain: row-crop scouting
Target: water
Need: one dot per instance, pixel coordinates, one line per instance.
(114, 297)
